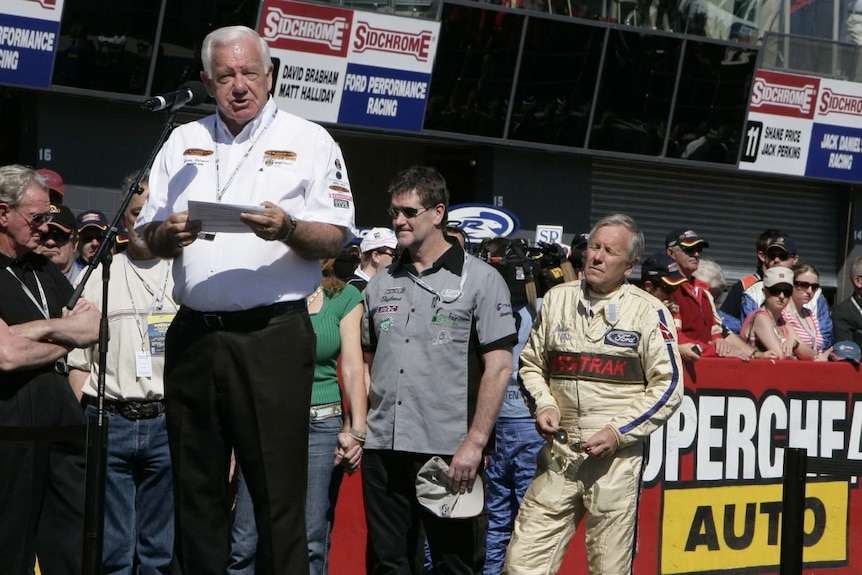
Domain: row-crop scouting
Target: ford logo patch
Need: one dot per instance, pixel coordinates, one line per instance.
(620, 338)
(483, 221)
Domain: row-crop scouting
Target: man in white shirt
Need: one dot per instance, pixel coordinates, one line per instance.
(240, 354)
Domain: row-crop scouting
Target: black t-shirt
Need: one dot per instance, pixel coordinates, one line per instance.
(16, 307)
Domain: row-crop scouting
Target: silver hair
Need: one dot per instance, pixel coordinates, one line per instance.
(228, 35)
(711, 273)
(14, 181)
(856, 267)
(635, 249)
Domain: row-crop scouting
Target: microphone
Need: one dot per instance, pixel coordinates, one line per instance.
(189, 94)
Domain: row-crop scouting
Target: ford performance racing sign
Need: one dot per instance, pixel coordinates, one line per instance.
(356, 68)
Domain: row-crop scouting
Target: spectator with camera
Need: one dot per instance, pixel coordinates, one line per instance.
(513, 464)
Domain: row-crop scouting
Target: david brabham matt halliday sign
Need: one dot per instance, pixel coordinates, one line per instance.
(355, 68)
(804, 126)
(29, 30)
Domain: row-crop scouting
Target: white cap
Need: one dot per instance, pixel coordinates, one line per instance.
(777, 275)
(433, 492)
(378, 238)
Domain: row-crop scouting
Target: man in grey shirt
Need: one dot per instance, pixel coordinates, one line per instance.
(438, 333)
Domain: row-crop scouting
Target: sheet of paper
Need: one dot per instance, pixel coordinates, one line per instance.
(223, 218)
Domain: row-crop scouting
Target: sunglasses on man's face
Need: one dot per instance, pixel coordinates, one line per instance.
(775, 290)
(408, 212)
(777, 254)
(692, 250)
(59, 236)
(36, 220)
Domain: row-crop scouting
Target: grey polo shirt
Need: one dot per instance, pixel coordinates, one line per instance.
(427, 332)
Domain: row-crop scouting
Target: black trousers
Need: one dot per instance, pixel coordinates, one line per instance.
(248, 387)
(395, 522)
(41, 482)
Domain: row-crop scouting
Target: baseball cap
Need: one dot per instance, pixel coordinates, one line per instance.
(684, 237)
(777, 275)
(433, 492)
(65, 219)
(661, 266)
(92, 218)
(53, 180)
(580, 240)
(378, 238)
(122, 234)
(846, 351)
(783, 243)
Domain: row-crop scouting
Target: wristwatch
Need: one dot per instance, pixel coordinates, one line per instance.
(290, 231)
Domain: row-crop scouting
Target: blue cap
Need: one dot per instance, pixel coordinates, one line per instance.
(846, 351)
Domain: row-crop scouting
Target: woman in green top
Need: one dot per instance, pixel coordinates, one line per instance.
(334, 439)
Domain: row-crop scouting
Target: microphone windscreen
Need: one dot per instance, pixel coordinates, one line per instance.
(198, 90)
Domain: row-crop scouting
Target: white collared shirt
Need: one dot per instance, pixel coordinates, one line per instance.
(293, 163)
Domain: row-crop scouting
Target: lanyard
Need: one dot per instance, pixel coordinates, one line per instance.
(219, 190)
(42, 304)
(449, 296)
(157, 299)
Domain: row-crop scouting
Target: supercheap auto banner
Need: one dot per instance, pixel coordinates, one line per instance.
(712, 501)
(354, 68)
(712, 497)
(804, 126)
(29, 31)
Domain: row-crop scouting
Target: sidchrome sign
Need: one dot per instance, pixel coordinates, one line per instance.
(336, 65)
(804, 126)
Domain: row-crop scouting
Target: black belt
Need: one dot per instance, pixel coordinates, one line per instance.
(241, 319)
(133, 410)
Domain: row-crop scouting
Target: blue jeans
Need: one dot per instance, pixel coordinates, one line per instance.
(507, 477)
(324, 480)
(139, 500)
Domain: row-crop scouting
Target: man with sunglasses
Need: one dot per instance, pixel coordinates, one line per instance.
(731, 307)
(701, 332)
(379, 249)
(60, 243)
(42, 483)
(437, 334)
(781, 252)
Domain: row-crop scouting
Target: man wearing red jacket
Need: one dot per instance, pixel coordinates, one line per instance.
(700, 330)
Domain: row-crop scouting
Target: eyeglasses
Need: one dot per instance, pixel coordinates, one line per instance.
(775, 290)
(408, 212)
(777, 254)
(391, 253)
(806, 285)
(36, 220)
(692, 250)
(59, 236)
(87, 237)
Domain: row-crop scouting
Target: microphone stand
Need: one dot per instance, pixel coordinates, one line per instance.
(97, 427)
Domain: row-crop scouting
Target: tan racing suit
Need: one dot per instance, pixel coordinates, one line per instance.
(617, 366)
